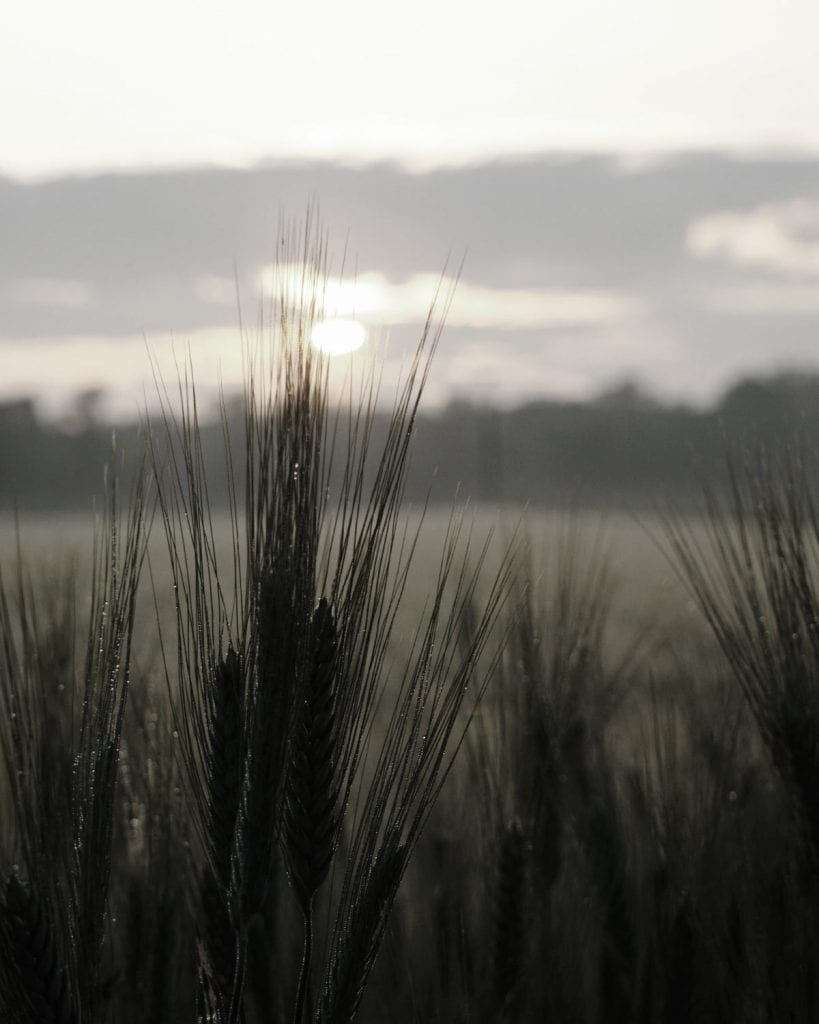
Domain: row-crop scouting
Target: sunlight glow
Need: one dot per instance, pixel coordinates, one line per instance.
(338, 337)
(372, 299)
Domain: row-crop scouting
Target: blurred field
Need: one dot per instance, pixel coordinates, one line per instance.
(649, 600)
(615, 843)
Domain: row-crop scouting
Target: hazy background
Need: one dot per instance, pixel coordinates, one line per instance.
(632, 188)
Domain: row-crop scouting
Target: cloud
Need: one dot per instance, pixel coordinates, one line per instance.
(764, 299)
(783, 237)
(50, 291)
(482, 369)
(55, 368)
(574, 274)
(376, 300)
(479, 306)
(215, 289)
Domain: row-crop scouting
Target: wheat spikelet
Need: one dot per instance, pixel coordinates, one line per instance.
(352, 965)
(225, 763)
(312, 789)
(268, 727)
(310, 818)
(42, 977)
(209, 1008)
(218, 952)
(224, 781)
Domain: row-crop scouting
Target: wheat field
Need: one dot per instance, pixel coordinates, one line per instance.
(318, 757)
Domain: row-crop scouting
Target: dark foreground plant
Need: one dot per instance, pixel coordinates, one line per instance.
(299, 736)
(757, 581)
(60, 734)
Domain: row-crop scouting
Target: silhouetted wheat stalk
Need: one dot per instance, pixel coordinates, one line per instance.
(57, 835)
(311, 811)
(282, 670)
(756, 582)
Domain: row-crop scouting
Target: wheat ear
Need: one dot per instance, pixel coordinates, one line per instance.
(30, 939)
(311, 805)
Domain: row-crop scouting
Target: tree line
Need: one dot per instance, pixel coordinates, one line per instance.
(624, 448)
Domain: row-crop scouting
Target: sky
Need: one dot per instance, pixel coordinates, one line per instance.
(631, 185)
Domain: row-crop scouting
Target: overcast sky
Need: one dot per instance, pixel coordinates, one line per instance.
(93, 84)
(546, 141)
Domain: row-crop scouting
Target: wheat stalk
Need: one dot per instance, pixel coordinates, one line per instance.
(38, 973)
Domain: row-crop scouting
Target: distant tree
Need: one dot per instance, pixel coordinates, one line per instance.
(627, 396)
(84, 414)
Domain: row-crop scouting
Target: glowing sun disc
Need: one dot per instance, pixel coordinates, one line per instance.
(338, 337)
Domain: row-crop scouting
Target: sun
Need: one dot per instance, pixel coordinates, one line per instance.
(338, 337)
